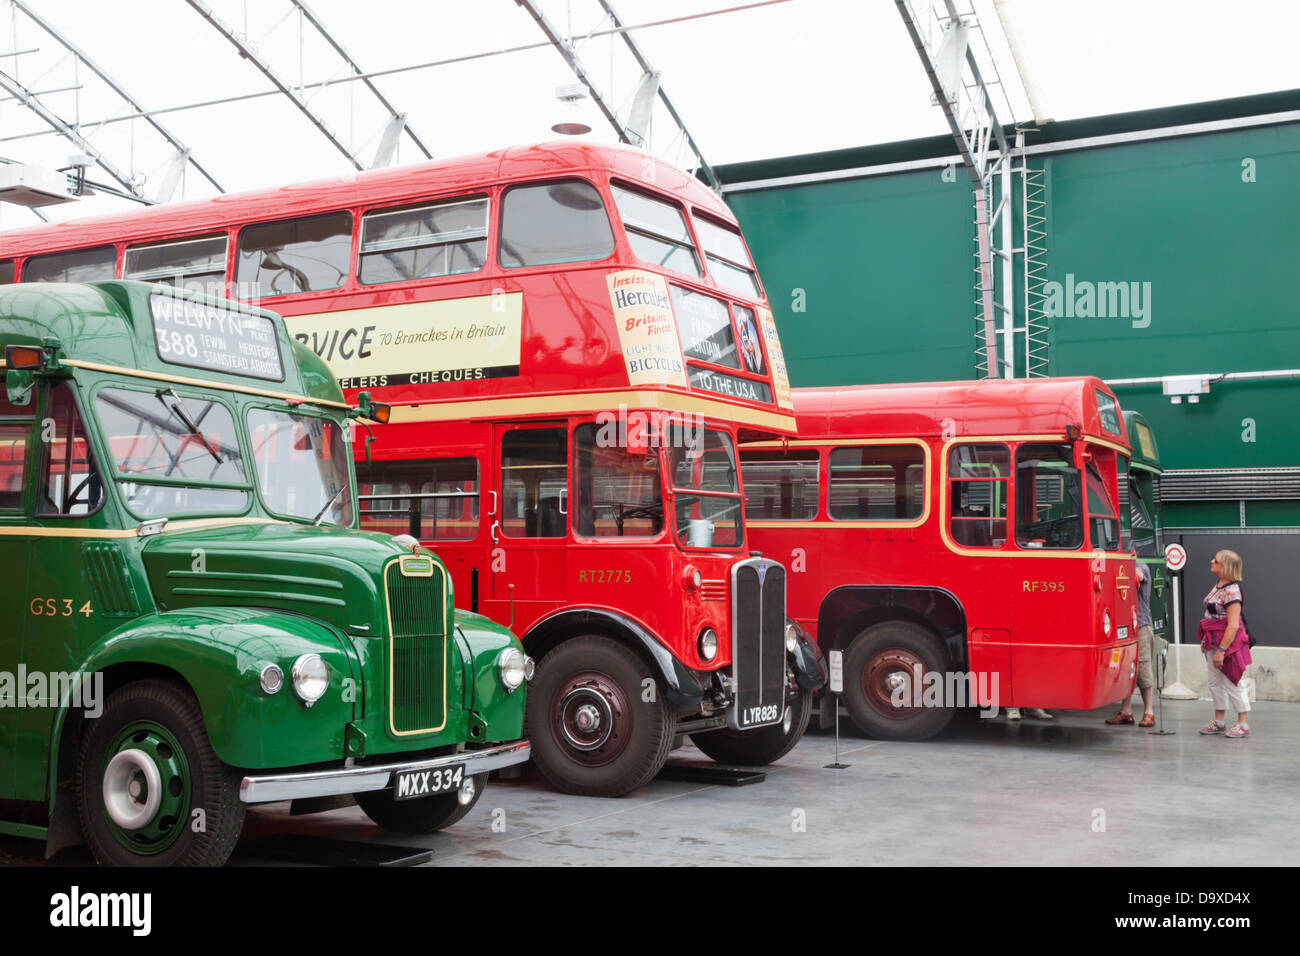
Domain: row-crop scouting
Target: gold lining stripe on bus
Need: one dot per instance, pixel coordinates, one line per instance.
(204, 383)
(829, 522)
(190, 524)
(589, 402)
(820, 442)
(1001, 552)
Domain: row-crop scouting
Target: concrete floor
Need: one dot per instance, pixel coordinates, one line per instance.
(1072, 791)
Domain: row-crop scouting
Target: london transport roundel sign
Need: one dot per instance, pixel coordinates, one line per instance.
(1175, 557)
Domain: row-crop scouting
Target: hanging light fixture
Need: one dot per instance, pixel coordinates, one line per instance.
(571, 94)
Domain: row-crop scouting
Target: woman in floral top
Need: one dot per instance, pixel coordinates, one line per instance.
(1223, 604)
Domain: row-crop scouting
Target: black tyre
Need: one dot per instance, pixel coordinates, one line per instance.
(757, 748)
(150, 789)
(593, 730)
(878, 663)
(422, 814)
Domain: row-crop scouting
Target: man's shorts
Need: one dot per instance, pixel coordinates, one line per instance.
(1146, 657)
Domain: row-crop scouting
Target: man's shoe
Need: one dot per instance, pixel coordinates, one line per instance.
(1120, 719)
(1013, 713)
(1039, 713)
(1148, 720)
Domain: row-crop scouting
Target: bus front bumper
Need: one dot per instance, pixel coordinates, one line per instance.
(271, 788)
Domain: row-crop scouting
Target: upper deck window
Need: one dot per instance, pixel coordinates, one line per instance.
(442, 239)
(705, 326)
(6, 272)
(656, 231)
(553, 223)
(198, 264)
(728, 259)
(81, 265)
(296, 255)
(1108, 412)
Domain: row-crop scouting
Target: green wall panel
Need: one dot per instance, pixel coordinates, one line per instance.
(886, 266)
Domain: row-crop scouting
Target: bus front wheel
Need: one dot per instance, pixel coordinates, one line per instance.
(758, 748)
(150, 789)
(422, 814)
(597, 719)
(885, 671)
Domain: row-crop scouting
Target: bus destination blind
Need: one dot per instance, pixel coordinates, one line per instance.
(202, 335)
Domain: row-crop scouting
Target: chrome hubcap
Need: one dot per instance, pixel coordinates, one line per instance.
(132, 789)
(590, 721)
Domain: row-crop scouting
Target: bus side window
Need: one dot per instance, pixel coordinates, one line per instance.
(978, 486)
(70, 480)
(197, 264)
(15, 429)
(877, 483)
(6, 272)
(780, 485)
(80, 265)
(446, 238)
(534, 482)
(295, 255)
(432, 499)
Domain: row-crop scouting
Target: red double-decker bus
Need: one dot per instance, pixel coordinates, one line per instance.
(960, 530)
(572, 339)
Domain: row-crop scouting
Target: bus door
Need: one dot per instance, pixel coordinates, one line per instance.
(62, 614)
(15, 559)
(979, 493)
(529, 501)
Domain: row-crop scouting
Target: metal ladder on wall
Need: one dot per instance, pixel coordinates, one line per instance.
(1012, 332)
(1024, 333)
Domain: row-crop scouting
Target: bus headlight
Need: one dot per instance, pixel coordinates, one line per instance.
(708, 644)
(311, 678)
(1105, 623)
(514, 668)
(791, 637)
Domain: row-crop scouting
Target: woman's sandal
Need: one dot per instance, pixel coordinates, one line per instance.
(1148, 720)
(1120, 719)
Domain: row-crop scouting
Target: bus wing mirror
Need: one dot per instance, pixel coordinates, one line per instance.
(375, 411)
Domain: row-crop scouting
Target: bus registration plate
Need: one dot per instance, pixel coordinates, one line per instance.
(410, 784)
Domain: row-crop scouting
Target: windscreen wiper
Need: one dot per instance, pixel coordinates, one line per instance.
(178, 408)
(320, 515)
